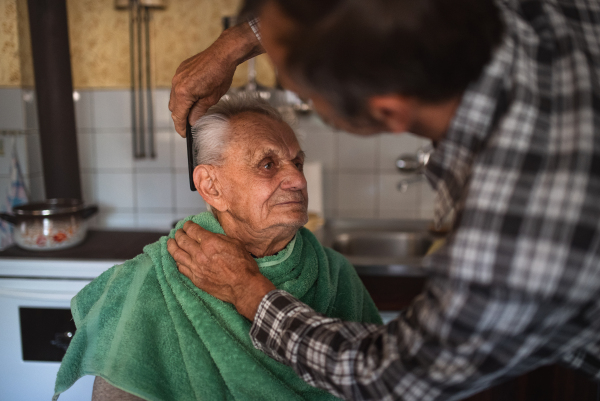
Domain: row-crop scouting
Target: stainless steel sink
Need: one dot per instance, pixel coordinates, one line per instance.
(397, 245)
(380, 248)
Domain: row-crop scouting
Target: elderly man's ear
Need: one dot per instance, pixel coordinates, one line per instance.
(207, 184)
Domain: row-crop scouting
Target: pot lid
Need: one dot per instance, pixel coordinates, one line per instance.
(49, 207)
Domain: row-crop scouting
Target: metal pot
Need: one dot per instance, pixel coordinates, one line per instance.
(51, 224)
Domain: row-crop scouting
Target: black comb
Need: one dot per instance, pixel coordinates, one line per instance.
(190, 153)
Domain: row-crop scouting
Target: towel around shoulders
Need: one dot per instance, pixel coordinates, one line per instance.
(146, 329)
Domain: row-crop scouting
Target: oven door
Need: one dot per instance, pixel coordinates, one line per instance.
(36, 330)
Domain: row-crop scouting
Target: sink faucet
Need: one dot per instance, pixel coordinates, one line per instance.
(413, 164)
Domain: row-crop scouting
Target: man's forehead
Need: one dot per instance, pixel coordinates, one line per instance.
(257, 135)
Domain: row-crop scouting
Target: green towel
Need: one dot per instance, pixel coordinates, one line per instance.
(146, 329)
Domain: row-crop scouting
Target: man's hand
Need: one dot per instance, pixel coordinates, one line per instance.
(201, 80)
(220, 266)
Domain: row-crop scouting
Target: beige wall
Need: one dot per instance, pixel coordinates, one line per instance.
(99, 39)
(16, 69)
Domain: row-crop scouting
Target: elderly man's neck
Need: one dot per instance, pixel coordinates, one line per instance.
(259, 243)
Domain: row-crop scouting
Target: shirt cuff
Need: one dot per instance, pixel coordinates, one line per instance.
(266, 329)
(255, 28)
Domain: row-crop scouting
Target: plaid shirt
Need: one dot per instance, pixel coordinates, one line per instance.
(517, 284)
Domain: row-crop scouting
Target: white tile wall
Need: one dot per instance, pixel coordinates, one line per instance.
(115, 190)
(395, 203)
(12, 109)
(111, 109)
(357, 195)
(358, 153)
(87, 150)
(154, 190)
(359, 174)
(164, 153)
(84, 110)
(113, 150)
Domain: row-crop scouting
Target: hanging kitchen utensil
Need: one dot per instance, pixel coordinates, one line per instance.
(142, 119)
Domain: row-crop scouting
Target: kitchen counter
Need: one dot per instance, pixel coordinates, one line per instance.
(99, 251)
(98, 245)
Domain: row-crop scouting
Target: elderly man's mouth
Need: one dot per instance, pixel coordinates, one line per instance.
(290, 203)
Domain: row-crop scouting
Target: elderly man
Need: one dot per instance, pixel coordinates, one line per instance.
(146, 331)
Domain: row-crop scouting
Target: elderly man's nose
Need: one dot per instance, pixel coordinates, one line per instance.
(293, 178)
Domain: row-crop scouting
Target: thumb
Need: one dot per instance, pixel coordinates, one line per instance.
(197, 111)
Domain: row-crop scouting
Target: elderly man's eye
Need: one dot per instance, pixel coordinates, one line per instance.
(299, 165)
(267, 166)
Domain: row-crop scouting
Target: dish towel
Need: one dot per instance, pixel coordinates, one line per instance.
(146, 329)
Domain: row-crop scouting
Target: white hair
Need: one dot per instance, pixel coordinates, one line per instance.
(211, 133)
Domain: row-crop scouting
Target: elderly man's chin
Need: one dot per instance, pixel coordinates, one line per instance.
(291, 215)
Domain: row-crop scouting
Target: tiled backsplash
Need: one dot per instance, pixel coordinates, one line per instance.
(360, 179)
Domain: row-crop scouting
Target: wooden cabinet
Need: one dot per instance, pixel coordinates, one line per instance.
(548, 383)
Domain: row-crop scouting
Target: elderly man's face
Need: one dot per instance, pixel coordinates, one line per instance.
(262, 178)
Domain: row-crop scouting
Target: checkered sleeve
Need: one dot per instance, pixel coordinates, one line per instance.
(254, 25)
(456, 339)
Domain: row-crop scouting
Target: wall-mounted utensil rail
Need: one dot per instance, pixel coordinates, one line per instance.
(142, 118)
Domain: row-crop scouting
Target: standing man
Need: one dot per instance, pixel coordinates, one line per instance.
(510, 91)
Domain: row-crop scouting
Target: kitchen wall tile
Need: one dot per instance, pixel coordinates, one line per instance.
(22, 154)
(318, 141)
(427, 201)
(156, 221)
(115, 190)
(162, 115)
(113, 151)
(34, 153)
(154, 190)
(179, 152)
(111, 109)
(84, 110)
(12, 113)
(357, 153)
(30, 109)
(395, 203)
(87, 150)
(391, 146)
(330, 189)
(357, 193)
(184, 197)
(356, 214)
(4, 187)
(183, 212)
(313, 172)
(116, 220)
(89, 187)
(163, 148)
(5, 159)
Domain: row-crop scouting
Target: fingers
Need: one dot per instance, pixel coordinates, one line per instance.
(186, 271)
(196, 232)
(197, 111)
(179, 112)
(180, 256)
(179, 124)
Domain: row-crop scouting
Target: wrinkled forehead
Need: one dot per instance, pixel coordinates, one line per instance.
(252, 134)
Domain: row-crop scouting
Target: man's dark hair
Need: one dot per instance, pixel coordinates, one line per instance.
(349, 50)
